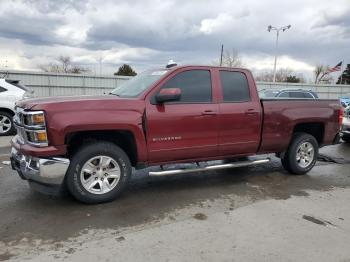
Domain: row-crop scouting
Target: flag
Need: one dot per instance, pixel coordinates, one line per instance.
(336, 68)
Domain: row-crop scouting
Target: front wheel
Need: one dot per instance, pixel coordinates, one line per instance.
(301, 155)
(98, 173)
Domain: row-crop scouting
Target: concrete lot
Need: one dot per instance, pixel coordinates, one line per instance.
(246, 214)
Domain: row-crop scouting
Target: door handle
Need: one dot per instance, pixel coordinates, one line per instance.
(250, 112)
(209, 113)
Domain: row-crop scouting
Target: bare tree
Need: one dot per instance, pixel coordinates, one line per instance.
(230, 59)
(321, 73)
(281, 75)
(63, 64)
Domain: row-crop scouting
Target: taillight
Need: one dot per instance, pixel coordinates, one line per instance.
(341, 115)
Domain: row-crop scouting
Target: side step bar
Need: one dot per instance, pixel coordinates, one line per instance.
(213, 167)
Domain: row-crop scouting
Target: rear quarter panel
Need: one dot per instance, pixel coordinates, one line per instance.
(281, 117)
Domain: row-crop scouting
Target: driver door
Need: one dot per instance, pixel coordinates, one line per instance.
(188, 128)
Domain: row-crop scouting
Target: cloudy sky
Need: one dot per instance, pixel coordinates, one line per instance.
(148, 33)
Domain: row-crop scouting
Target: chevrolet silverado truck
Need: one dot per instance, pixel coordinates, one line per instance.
(193, 114)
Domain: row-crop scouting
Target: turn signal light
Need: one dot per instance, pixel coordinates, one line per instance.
(41, 137)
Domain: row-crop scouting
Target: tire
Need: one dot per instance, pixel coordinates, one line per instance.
(301, 155)
(285, 164)
(98, 173)
(6, 124)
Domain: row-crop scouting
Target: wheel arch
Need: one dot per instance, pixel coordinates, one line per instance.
(125, 139)
(7, 110)
(316, 129)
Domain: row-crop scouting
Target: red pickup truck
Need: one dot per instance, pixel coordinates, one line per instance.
(89, 144)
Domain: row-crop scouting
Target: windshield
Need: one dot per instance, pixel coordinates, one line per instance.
(136, 85)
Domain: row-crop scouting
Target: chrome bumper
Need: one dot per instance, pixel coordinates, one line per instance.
(49, 171)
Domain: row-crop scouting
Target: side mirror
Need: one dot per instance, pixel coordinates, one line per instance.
(168, 94)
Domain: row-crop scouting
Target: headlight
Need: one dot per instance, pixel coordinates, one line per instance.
(32, 125)
(34, 122)
(35, 119)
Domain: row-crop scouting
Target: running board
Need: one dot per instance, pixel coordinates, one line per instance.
(207, 168)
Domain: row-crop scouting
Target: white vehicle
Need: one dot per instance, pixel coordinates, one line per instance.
(10, 92)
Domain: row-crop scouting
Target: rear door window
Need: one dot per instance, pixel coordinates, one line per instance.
(284, 94)
(235, 86)
(308, 95)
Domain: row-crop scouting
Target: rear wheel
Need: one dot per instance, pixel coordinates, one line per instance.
(6, 124)
(301, 154)
(98, 173)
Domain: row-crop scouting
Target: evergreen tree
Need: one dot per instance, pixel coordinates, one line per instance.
(345, 76)
(292, 79)
(125, 70)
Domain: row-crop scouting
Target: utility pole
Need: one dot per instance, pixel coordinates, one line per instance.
(283, 28)
(100, 64)
(222, 52)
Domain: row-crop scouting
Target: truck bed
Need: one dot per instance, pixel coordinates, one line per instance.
(282, 116)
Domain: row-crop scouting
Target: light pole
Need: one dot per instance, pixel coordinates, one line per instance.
(283, 28)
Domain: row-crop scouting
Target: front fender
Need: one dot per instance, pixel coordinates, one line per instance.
(62, 123)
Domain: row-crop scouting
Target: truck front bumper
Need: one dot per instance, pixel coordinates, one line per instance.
(46, 171)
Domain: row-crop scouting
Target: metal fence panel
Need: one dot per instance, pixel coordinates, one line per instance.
(52, 84)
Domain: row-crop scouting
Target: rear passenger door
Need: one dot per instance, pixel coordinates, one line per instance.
(240, 115)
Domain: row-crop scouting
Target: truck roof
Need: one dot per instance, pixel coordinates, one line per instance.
(201, 66)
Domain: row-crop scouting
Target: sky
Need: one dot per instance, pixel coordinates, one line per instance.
(102, 35)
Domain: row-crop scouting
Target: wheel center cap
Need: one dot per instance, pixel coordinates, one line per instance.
(99, 173)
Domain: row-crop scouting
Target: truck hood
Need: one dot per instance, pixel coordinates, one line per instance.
(80, 103)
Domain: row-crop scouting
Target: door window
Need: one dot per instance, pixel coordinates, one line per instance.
(308, 95)
(234, 86)
(296, 94)
(195, 86)
(284, 94)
